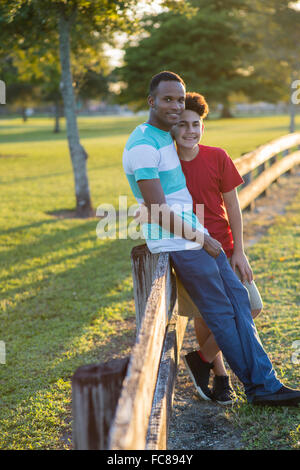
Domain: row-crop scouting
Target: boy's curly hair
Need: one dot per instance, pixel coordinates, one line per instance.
(196, 102)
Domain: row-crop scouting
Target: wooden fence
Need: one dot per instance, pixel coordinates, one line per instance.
(264, 165)
(126, 404)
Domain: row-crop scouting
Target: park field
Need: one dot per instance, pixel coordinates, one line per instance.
(66, 296)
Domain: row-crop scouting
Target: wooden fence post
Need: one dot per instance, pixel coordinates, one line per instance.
(157, 436)
(260, 169)
(247, 180)
(291, 171)
(143, 265)
(95, 393)
(130, 427)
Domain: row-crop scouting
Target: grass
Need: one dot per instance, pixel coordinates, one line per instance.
(279, 328)
(65, 296)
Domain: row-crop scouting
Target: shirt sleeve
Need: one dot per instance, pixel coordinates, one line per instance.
(144, 161)
(230, 177)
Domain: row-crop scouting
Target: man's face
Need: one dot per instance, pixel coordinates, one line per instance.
(188, 131)
(167, 104)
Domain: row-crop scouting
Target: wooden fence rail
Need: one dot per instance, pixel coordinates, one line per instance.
(126, 404)
(253, 166)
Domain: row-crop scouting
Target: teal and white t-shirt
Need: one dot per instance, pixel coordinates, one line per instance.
(150, 153)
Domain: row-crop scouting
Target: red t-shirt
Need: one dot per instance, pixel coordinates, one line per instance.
(208, 175)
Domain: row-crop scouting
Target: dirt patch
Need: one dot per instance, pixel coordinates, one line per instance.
(197, 424)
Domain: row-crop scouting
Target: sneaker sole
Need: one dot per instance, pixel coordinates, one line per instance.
(199, 390)
(229, 402)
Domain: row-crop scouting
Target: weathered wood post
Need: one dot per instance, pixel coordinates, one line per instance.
(143, 264)
(247, 180)
(95, 393)
(285, 154)
(260, 169)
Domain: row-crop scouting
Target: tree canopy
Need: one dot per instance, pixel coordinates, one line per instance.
(58, 28)
(219, 48)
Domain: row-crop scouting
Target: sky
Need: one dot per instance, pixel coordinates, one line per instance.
(143, 7)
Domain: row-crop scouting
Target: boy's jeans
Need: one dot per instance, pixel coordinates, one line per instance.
(224, 305)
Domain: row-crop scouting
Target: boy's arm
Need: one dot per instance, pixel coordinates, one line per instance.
(160, 213)
(238, 258)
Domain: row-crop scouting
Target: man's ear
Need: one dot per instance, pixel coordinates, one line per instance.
(151, 101)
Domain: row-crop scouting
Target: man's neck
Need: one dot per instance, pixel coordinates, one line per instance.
(187, 154)
(156, 123)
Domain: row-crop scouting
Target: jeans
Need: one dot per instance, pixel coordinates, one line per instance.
(224, 304)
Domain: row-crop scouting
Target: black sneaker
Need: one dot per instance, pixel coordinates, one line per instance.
(283, 397)
(223, 392)
(199, 372)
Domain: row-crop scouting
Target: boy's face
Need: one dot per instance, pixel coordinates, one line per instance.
(167, 104)
(189, 129)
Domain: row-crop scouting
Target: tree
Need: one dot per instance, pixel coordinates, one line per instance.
(19, 90)
(204, 46)
(39, 70)
(219, 47)
(276, 60)
(70, 25)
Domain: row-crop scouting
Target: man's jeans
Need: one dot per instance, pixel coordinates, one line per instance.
(224, 304)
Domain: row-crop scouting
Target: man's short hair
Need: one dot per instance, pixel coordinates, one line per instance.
(164, 76)
(196, 102)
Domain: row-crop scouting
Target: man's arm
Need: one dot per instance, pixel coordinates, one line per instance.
(160, 213)
(234, 212)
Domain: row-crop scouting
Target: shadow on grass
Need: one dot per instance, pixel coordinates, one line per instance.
(72, 318)
(61, 239)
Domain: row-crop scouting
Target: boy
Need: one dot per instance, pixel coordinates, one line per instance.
(212, 180)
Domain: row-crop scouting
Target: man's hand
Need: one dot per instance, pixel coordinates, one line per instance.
(240, 261)
(212, 246)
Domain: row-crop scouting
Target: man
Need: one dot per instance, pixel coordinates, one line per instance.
(212, 179)
(154, 173)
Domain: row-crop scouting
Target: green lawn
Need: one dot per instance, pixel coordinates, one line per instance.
(66, 296)
(275, 260)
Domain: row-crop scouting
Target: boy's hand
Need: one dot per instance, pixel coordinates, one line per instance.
(212, 246)
(240, 260)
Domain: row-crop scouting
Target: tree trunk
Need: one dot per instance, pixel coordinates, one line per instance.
(24, 114)
(77, 152)
(226, 113)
